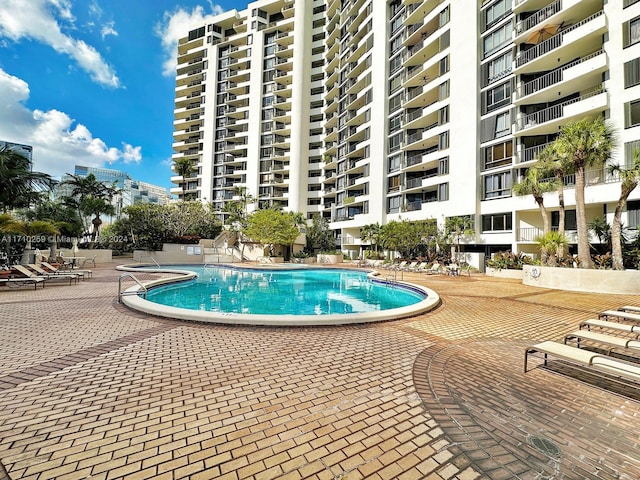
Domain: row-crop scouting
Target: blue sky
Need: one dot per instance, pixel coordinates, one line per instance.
(91, 82)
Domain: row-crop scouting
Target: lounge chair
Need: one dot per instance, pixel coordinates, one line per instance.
(634, 317)
(22, 282)
(30, 274)
(606, 324)
(630, 308)
(43, 273)
(585, 358)
(609, 341)
(410, 267)
(421, 267)
(53, 269)
(434, 269)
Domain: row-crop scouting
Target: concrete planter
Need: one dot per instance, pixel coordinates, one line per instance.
(505, 273)
(583, 280)
(270, 259)
(329, 258)
(305, 261)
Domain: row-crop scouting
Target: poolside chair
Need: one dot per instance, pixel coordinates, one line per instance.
(30, 274)
(51, 268)
(22, 282)
(43, 273)
(434, 269)
(91, 260)
(420, 267)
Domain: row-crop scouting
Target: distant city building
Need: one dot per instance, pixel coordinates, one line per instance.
(26, 150)
(132, 191)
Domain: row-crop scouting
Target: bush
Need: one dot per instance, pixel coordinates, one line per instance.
(509, 261)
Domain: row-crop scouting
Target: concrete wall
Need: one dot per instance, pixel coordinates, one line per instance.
(582, 280)
(171, 253)
(102, 256)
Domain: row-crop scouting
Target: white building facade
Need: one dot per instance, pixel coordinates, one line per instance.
(366, 111)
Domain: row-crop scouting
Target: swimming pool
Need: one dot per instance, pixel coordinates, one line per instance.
(278, 296)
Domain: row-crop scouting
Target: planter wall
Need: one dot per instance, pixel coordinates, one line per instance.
(583, 280)
(504, 273)
(326, 258)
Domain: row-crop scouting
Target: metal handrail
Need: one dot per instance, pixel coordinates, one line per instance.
(130, 275)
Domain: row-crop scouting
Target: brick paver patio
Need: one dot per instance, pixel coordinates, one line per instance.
(92, 390)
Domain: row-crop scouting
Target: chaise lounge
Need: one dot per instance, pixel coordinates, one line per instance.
(596, 362)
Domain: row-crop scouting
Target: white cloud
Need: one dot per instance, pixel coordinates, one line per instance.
(41, 20)
(107, 29)
(59, 142)
(175, 25)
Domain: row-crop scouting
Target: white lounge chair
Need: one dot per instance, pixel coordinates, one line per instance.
(635, 317)
(610, 342)
(606, 324)
(577, 356)
(22, 282)
(53, 269)
(43, 273)
(30, 274)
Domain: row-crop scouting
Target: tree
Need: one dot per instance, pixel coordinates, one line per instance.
(549, 161)
(184, 167)
(534, 184)
(20, 185)
(370, 233)
(271, 227)
(90, 197)
(551, 243)
(584, 144)
(319, 235)
(406, 237)
(629, 181)
(458, 228)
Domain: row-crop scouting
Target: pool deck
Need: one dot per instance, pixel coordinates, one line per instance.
(92, 390)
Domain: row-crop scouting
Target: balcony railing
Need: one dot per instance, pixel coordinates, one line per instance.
(551, 113)
(553, 77)
(538, 17)
(529, 234)
(551, 43)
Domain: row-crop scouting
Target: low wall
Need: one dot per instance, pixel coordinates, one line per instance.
(171, 253)
(102, 255)
(583, 280)
(504, 273)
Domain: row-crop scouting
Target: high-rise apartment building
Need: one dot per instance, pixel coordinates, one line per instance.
(367, 111)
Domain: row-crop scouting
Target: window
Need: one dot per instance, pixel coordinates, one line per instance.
(496, 12)
(633, 214)
(503, 124)
(394, 184)
(569, 220)
(395, 123)
(394, 204)
(395, 63)
(394, 103)
(497, 97)
(631, 32)
(394, 142)
(496, 40)
(632, 73)
(498, 155)
(394, 163)
(396, 44)
(443, 140)
(632, 114)
(497, 186)
(396, 24)
(443, 166)
(443, 192)
(395, 83)
(626, 3)
(498, 222)
(499, 67)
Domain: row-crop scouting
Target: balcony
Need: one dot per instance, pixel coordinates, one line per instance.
(569, 43)
(548, 120)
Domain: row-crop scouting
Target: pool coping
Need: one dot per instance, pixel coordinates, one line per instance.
(131, 298)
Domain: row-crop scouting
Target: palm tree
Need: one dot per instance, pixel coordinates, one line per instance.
(534, 184)
(630, 178)
(184, 167)
(20, 185)
(584, 144)
(551, 243)
(549, 161)
(369, 234)
(90, 196)
(457, 228)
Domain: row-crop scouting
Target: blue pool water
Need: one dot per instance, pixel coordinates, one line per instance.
(283, 292)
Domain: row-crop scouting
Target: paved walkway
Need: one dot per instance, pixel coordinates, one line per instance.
(92, 390)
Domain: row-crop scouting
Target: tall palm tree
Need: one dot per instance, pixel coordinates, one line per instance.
(534, 184)
(369, 234)
(549, 161)
(20, 185)
(184, 167)
(630, 178)
(584, 144)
